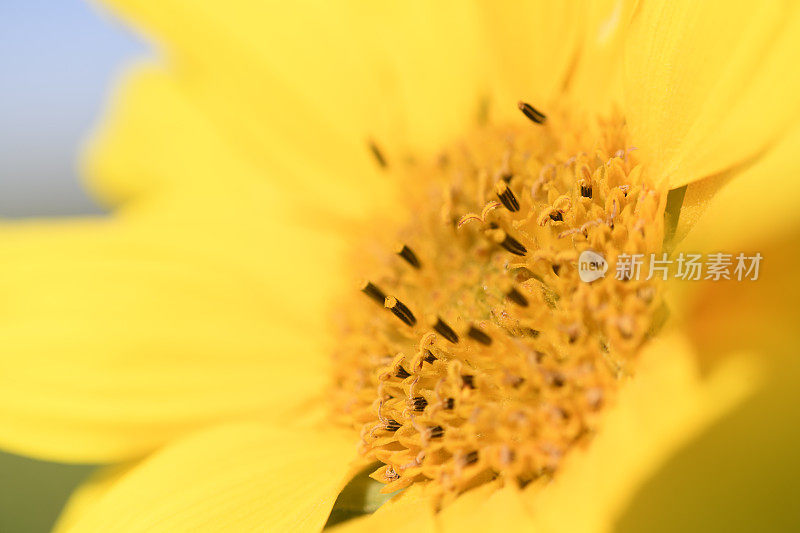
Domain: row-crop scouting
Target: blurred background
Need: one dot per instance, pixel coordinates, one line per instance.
(57, 60)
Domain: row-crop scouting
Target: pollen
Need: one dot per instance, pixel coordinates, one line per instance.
(475, 352)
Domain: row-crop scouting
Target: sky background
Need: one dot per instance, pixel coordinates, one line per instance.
(57, 59)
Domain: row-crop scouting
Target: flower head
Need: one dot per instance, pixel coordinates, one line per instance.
(497, 359)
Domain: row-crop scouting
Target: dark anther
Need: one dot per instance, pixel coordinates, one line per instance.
(377, 154)
(408, 254)
(531, 112)
(510, 243)
(419, 403)
(556, 269)
(445, 331)
(469, 381)
(586, 191)
(471, 458)
(429, 357)
(401, 373)
(449, 403)
(513, 245)
(515, 296)
(557, 380)
(373, 292)
(391, 425)
(436, 432)
(507, 177)
(479, 336)
(400, 310)
(506, 197)
(556, 215)
(530, 332)
(517, 382)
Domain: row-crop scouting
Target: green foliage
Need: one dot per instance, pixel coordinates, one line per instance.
(361, 496)
(32, 492)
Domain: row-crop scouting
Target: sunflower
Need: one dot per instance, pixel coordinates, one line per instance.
(210, 339)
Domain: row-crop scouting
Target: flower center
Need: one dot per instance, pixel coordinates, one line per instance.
(478, 352)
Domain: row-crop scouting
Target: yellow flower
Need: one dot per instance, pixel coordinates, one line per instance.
(188, 337)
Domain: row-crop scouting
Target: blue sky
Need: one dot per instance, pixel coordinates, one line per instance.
(57, 61)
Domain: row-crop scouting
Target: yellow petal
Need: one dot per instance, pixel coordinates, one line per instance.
(757, 315)
(596, 83)
(532, 47)
(240, 477)
(121, 334)
(736, 475)
(89, 492)
(157, 141)
(152, 140)
(666, 404)
(402, 76)
(409, 78)
(488, 509)
(709, 85)
(742, 474)
(427, 71)
(749, 208)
